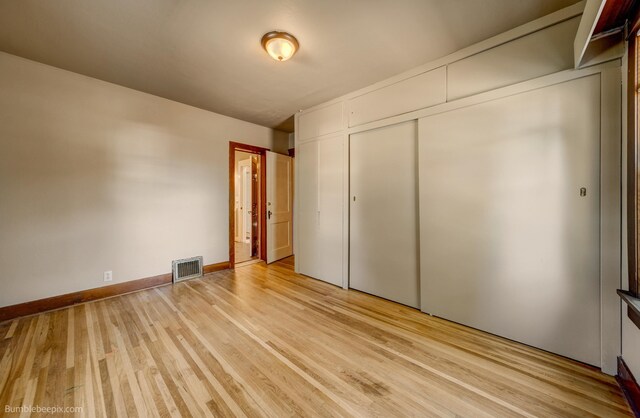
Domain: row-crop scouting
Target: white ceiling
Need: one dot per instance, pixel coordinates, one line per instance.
(208, 54)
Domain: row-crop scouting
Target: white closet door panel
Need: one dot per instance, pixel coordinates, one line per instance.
(307, 217)
(508, 244)
(383, 217)
(320, 206)
(330, 207)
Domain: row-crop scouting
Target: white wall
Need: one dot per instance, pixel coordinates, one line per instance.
(96, 177)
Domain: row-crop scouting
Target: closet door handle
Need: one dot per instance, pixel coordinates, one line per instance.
(269, 214)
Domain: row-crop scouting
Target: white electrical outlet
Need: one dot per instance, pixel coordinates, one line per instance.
(108, 276)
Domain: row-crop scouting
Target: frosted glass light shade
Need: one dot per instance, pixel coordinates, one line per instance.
(279, 45)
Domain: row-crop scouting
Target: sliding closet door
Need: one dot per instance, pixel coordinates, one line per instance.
(383, 218)
(509, 217)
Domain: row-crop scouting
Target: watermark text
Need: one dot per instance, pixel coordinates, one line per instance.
(40, 409)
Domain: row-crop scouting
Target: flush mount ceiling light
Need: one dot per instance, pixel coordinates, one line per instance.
(280, 45)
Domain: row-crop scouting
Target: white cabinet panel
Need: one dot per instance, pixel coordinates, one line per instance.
(330, 204)
(424, 90)
(383, 237)
(318, 122)
(320, 194)
(544, 52)
(508, 244)
(307, 255)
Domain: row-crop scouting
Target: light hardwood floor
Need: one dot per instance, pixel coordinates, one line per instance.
(264, 341)
(242, 251)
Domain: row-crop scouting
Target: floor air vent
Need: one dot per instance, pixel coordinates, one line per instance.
(187, 268)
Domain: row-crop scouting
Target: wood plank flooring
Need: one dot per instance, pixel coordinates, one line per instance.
(242, 251)
(263, 341)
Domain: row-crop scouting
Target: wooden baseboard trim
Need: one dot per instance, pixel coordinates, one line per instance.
(62, 301)
(629, 386)
(211, 268)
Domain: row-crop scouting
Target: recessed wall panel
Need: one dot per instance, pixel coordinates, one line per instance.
(323, 121)
(543, 52)
(424, 90)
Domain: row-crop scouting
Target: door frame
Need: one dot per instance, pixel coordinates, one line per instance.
(251, 149)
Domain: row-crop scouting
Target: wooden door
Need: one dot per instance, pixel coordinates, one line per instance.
(279, 206)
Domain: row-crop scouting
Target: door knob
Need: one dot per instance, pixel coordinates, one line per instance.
(269, 214)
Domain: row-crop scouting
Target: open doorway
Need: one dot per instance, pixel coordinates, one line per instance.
(260, 205)
(247, 199)
(247, 191)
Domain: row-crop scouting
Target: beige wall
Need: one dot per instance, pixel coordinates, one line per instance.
(97, 177)
(292, 140)
(280, 143)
